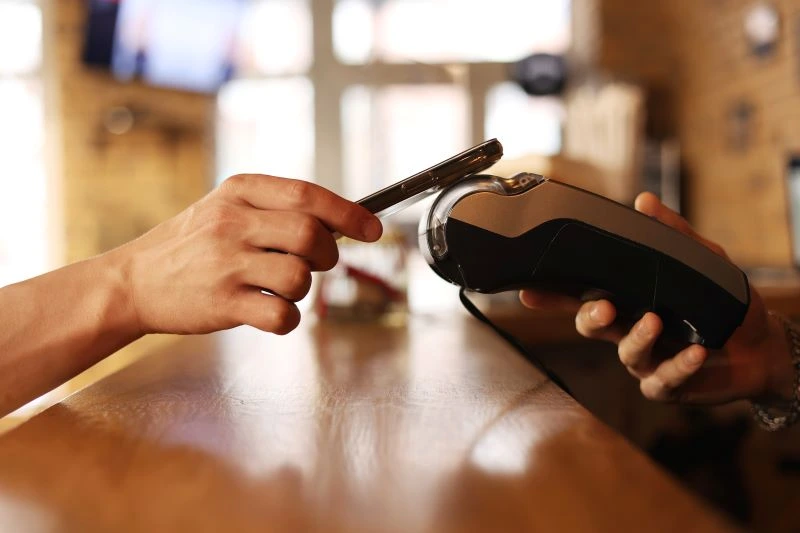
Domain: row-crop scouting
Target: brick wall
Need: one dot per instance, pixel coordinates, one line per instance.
(118, 186)
(693, 57)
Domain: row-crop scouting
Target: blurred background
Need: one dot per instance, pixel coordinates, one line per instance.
(117, 114)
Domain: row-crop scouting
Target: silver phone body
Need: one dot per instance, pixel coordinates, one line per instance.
(406, 192)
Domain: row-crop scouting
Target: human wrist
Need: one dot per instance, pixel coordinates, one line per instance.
(779, 404)
(120, 308)
(780, 380)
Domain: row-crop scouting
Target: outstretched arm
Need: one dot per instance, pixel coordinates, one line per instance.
(242, 255)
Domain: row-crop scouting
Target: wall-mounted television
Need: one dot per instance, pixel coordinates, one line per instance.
(181, 44)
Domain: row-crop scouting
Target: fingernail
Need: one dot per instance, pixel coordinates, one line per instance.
(529, 299)
(523, 297)
(642, 329)
(694, 357)
(372, 229)
(594, 312)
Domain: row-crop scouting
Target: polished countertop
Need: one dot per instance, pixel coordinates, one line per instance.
(435, 425)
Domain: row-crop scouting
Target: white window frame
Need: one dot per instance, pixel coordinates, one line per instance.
(331, 78)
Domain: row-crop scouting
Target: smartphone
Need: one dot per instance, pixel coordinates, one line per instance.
(413, 189)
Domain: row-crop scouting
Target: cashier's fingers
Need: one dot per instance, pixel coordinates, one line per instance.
(635, 348)
(266, 312)
(595, 320)
(649, 204)
(538, 299)
(665, 383)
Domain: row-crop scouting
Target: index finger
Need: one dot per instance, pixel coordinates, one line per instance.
(284, 194)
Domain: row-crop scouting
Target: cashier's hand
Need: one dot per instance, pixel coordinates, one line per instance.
(205, 269)
(753, 364)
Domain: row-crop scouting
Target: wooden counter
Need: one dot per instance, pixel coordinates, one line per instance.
(437, 426)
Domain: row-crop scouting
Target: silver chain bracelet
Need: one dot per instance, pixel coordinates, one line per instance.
(789, 413)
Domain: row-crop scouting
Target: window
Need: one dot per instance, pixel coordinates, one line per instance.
(24, 243)
(267, 126)
(397, 130)
(277, 37)
(446, 31)
(356, 94)
(265, 119)
(526, 125)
